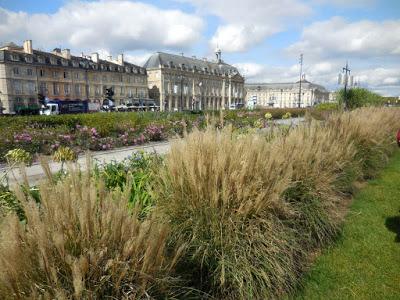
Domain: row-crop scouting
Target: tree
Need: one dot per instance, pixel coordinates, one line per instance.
(359, 97)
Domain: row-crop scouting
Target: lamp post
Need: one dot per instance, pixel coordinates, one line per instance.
(344, 80)
(301, 71)
(347, 74)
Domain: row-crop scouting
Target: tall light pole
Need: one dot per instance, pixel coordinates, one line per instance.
(301, 71)
(346, 78)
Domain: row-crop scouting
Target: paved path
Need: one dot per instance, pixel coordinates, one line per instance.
(35, 172)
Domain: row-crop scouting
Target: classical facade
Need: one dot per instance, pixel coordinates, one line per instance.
(177, 82)
(27, 74)
(281, 95)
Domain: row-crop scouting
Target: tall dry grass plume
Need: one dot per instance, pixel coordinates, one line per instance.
(252, 209)
(82, 242)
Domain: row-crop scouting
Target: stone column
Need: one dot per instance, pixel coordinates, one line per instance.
(230, 92)
(223, 93)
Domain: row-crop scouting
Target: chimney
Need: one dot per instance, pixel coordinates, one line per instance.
(95, 57)
(28, 46)
(109, 58)
(120, 59)
(66, 53)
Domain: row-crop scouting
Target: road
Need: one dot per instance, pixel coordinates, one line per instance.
(35, 172)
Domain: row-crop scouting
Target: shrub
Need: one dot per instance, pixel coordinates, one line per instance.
(18, 156)
(287, 115)
(252, 209)
(64, 154)
(359, 97)
(82, 243)
(327, 106)
(135, 173)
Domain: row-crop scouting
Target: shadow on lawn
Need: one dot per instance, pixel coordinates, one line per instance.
(393, 224)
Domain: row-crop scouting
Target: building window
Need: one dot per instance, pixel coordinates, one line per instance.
(97, 90)
(31, 87)
(56, 88)
(66, 75)
(16, 71)
(40, 59)
(55, 74)
(42, 88)
(41, 73)
(17, 87)
(14, 57)
(77, 89)
(77, 75)
(53, 60)
(29, 72)
(19, 101)
(104, 78)
(28, 59)
(66, 89)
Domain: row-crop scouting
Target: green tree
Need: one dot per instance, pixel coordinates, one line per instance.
(359, 97)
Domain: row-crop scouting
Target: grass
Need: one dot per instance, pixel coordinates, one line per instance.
(364, 263)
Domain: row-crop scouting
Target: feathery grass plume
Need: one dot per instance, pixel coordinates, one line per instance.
(252, 209)
(222, 196)
(82, 242)
(372, 130)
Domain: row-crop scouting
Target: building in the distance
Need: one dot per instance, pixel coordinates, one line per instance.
(27, 75)
(178, 82)
(281, 95)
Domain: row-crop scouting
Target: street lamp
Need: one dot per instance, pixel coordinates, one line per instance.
(345, 80)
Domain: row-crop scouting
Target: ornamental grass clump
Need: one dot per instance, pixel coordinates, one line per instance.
(222, 196)
(82, 242)
(253, 209)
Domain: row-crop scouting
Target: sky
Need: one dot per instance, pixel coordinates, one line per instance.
(262, 38)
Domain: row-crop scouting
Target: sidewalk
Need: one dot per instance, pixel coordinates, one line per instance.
(35, 171)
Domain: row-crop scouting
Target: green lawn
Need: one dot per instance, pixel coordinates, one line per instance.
(365, 261)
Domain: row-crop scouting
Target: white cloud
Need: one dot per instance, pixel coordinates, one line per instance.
(336, 36)
(250, 70)
(248, 23)
(347, 3)
(384, 80)
(238, 37)
(112, 25)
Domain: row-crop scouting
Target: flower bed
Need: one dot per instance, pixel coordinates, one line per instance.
(95, 132)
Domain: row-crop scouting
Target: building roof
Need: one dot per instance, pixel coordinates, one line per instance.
(285, 85)
(55, 58)
(160, 59)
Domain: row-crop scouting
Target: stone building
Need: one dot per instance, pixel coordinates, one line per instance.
(281, 95)
(178, 82)
(27, 74)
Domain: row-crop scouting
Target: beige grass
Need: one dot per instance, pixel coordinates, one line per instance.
(251, 209)
(81, 242)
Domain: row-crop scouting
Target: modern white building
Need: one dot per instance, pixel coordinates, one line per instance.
(281, 95)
